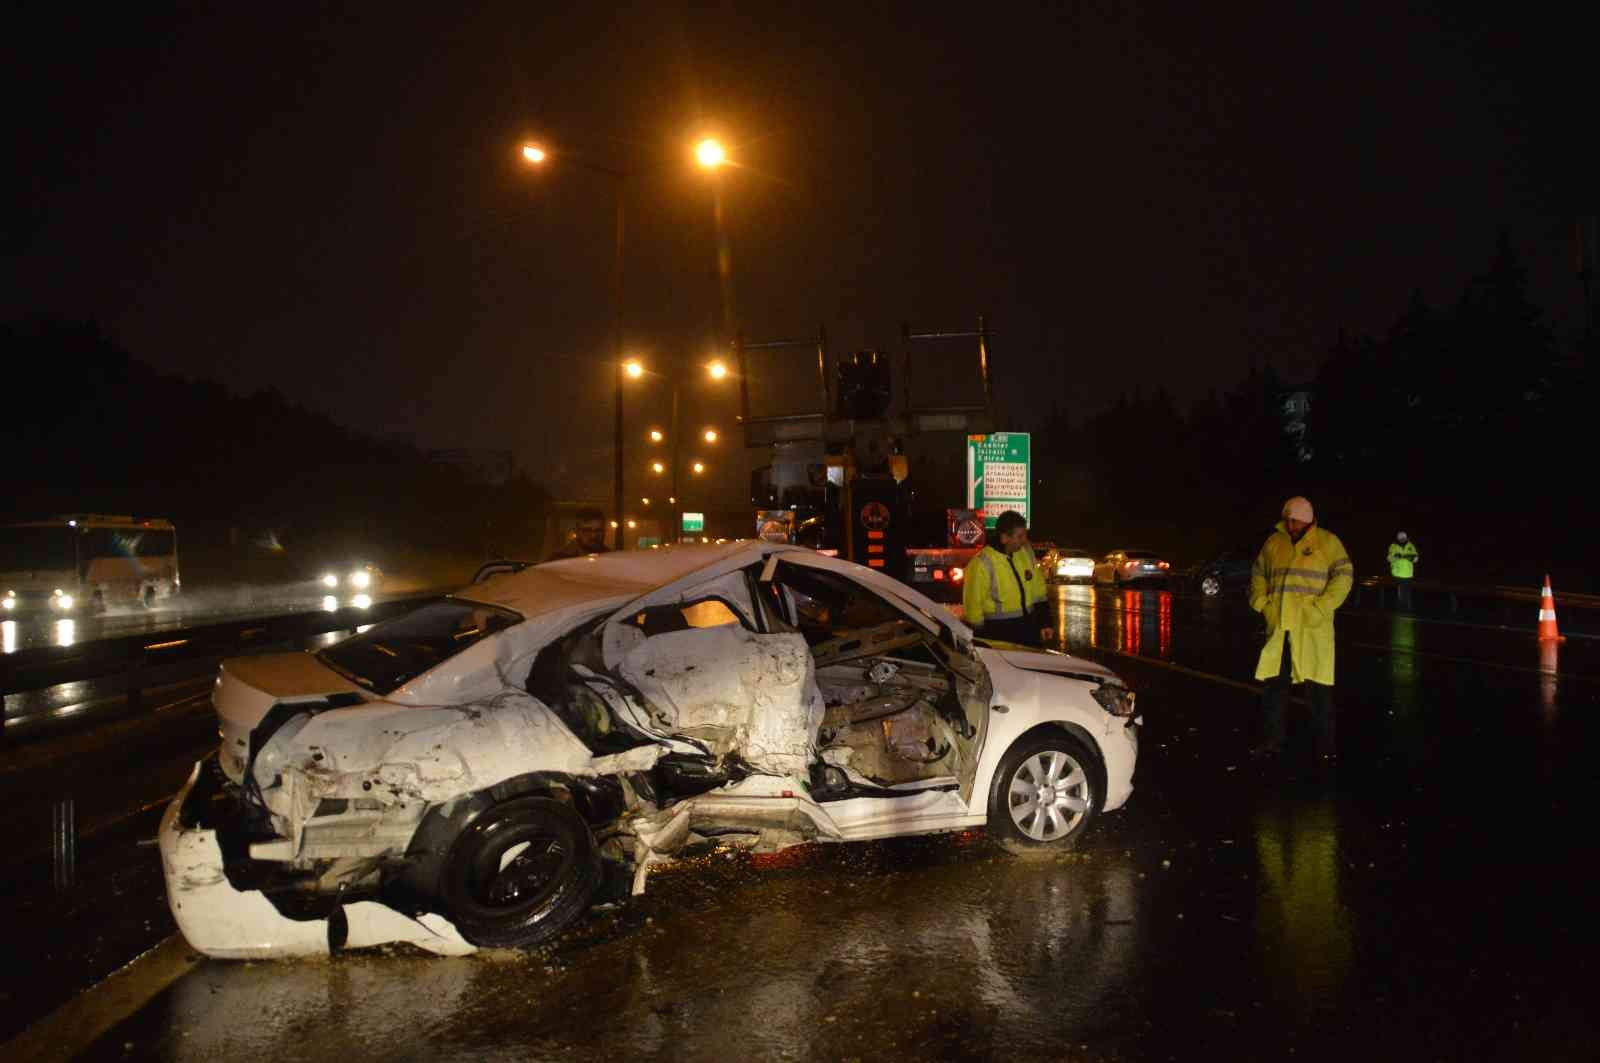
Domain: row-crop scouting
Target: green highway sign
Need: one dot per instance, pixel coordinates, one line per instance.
(999, 470)
(694, 522)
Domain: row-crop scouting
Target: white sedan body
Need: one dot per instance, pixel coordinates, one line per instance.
(588, 679)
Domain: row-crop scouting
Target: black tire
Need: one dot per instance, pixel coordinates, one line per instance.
(520, 873)
(1055, 827)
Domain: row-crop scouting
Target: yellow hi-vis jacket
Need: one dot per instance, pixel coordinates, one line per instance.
(991, 592)
(1297, 586)
(1402, 559)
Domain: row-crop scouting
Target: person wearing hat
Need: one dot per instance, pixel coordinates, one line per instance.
(1402, 566)
(1300, 577)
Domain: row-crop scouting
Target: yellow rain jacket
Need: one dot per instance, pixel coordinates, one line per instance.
(1001, 588)
(1297, 586)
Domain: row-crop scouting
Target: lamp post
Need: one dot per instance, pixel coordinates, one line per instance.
(709, 155)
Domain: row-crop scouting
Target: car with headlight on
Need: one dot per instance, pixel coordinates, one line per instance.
(1131, 566)
(1071, 563)
(350, 579)
(467, 774)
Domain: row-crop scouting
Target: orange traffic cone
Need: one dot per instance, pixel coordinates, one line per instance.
(1547, 614)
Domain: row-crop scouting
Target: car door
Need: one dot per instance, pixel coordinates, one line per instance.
(868, 615)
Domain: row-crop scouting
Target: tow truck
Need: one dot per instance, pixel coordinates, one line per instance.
(869, 474)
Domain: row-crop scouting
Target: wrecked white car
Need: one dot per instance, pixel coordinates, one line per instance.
(466, 774)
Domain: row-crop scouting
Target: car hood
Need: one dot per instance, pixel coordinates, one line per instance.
(1056, 664)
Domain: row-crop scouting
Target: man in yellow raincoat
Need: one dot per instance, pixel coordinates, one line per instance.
(1300, 577)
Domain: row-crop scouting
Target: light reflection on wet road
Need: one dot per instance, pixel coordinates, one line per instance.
(1429, 902)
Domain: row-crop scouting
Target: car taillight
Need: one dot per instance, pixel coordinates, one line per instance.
(938, 575)
(1165, 565)
(1130, 564)
(957, 575)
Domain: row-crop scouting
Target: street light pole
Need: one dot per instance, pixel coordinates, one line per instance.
(616, 328)
(676, 504)
(710, 155)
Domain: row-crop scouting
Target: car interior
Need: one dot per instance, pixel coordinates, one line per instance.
(885, 707)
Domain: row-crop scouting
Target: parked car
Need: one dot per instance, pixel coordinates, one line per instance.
(459, 776)
(1072, 563)
(1130, 566)
(1226, 573)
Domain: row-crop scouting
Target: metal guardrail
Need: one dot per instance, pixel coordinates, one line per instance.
(136, 656)
(1386, 587)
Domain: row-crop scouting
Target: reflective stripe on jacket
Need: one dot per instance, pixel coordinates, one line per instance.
(1297, 586)
(1402, 560)
(992, 590)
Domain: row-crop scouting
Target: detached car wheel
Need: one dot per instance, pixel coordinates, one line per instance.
(1045, 793)
(1210, 586)
(520, 874)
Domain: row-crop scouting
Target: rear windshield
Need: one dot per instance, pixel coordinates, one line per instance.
(1140, 555)
(390, 654)
(1073, 551)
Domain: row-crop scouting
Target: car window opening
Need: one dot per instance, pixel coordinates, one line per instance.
(393, 652)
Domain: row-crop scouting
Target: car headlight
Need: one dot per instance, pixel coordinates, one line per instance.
(65, 601)
(1114, 698)
(330, 580)
(361, 580)
(8, 602)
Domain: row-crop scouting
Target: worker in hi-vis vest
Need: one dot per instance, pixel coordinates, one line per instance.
(1004, 595)
(1402, 566)
(1301, 576)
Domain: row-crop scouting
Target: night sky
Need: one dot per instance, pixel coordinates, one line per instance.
(327, 199)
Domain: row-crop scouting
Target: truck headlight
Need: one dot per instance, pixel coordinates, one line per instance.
(360, 580)
(330, 580)
(1115, 699)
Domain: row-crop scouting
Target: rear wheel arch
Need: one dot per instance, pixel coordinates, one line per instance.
(597, 800)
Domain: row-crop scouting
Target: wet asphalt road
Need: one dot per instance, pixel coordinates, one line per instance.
(1430, 900)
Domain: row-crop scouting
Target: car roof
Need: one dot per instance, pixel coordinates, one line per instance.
(623, 575)
(554, 585)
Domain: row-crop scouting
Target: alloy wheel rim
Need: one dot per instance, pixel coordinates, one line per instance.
(1049, 795)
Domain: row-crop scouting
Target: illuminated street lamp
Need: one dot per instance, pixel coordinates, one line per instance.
(655, 435)
(698, 468)
(657, 468)
(717, 370)
(646, 501)
(710, 154)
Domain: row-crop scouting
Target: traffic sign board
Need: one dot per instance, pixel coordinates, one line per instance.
(999, 470)
(694, 522)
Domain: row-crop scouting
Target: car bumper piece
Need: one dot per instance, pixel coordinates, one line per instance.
(228, 923)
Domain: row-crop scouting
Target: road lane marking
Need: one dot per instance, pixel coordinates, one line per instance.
(80, 1022)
